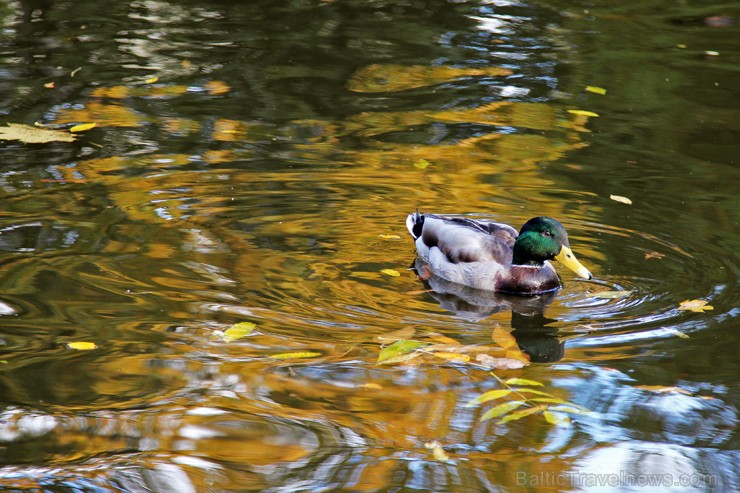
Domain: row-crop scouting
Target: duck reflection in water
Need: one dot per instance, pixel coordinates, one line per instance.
(477, 268)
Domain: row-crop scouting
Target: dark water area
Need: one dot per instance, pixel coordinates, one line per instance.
(255, 162)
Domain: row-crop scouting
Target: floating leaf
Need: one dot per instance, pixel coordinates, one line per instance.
(452, 356)
(33, 135)
(217, 88)
(391, 272)
(399, 348)
(371, 385)
(555, 418)
(151, 80)
(619, 198)
(695, 306)
(582, 113)
(295, 355)
(421, 164)
(82, 346)
(612, 295)
(570, 409)
(650, 255)
(518, 355)
(388, 237)
(489, 396)
(503, 338)
(523, 381)
(438, 452)
(83, 127)
(238, 330)
(500, 363)
(442, 339)
(49, 85)
(596, 90)
(501, 409)
(677, 333)
(521, 414)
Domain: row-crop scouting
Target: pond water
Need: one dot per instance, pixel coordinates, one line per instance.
(255, 162)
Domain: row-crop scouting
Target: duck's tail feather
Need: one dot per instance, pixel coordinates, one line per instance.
(415, 223)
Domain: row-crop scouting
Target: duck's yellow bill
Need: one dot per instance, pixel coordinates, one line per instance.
(567, 258)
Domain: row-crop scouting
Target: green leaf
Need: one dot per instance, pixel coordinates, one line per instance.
(522, 381)
(237, 331)
(520, 414)
(504, 408)
(33, 135)
(489, 396)
(556, 418)
(398, 348)
(295, 355)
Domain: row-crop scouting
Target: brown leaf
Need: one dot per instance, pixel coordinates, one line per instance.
(33, 135)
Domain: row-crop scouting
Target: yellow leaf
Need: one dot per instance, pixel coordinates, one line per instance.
(695, 306)
(371, 385)
(421, 163)
(517, 354)
(520, 414)
(391, 272)
(619, 198)
(452, 356)
(151, 80)
(295, 355)
(503, 338)
(556, 419)
(237, 331)
(489, 396)
(442, 339)
(612, 295)
(504, 408)
(82, 346)
(82, 127)
(396, 335)
(217, 88)
(438, 452)
(388, 237)
(523, 381)
(582, 113)
(596, 90)
(33, 135)
(49, 85)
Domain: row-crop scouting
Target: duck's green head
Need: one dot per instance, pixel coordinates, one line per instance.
(543, 238)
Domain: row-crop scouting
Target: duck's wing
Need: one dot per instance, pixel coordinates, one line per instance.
(462, 239)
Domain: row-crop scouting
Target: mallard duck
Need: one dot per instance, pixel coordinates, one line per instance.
(493, 256)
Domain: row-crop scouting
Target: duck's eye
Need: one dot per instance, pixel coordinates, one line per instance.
(547, 233)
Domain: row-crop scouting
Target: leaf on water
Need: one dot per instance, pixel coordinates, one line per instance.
(677, 333)
(501, 409)
(521, 414)
(82, 346)
(582, 113)
(518, 355)
(549, 400)
(401, 358)
(296, 355)
(151, 80)
(664, 389)
(570, 409)
(49, 85)
(83, 127)
(396, 335)
(438, 452)
(452, 356)
(620, 199)
(612, 295)
(443, 339)
(537, 392)
(391, 272)
(238, 330)
(489, 396)
(371, 385)
(388, 237)
(699, 306)
(556, 419)
(399, 348)
(523, 381)
(421, 163)
(503, 338)
(33, 135)
(650, 255)
(217, 88)
(596, 90)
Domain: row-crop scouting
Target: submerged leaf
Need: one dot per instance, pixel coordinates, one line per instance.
(500, 363)
(399, 348)
(396, 335)
(612, 295)
(501, 409)
(296, 355)
(438, 452)
(489, 396)
(521, 414)
(452, 356)
(421, 164)
(238, 330)
(695, 306)
(556, 418)
(33, 135)
(391, 272)
(596, 90)
(82, 346)
(664, 389)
